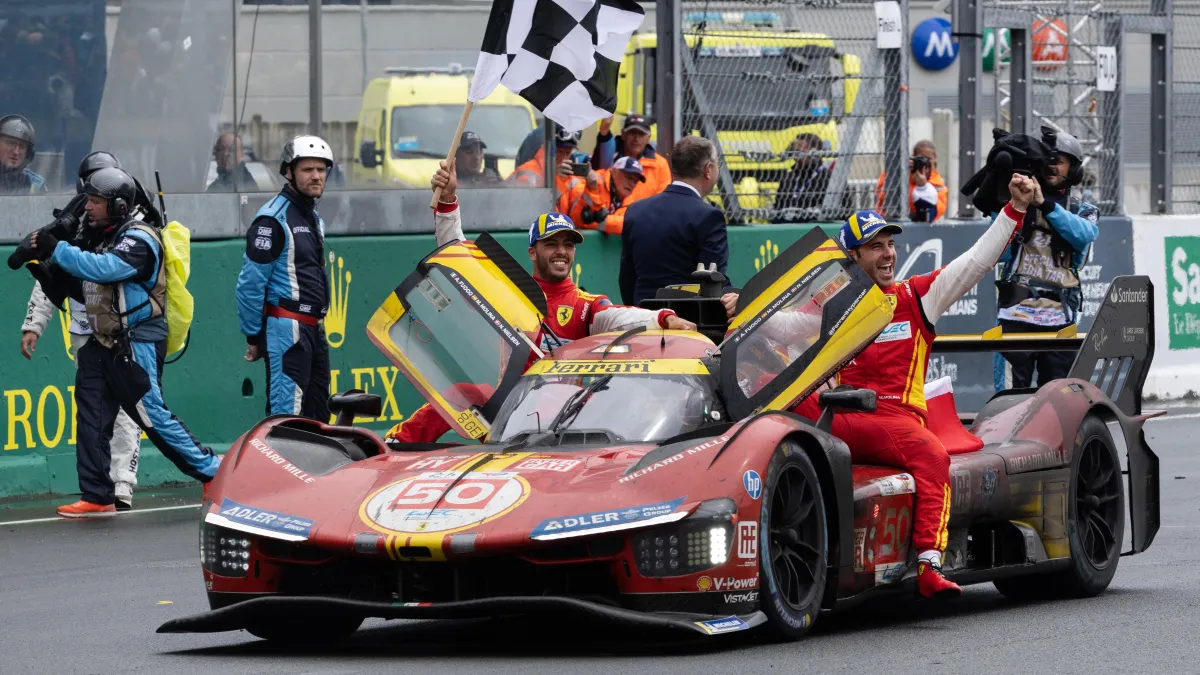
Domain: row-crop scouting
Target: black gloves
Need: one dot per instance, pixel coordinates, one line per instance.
(590, 216)
(45, 245)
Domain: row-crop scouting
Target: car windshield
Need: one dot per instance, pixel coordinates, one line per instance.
(785, 86)
(426, 130)
(630, 408)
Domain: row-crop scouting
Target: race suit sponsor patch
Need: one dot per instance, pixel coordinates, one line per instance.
(599, 519)
(265, 520)
(898, 330)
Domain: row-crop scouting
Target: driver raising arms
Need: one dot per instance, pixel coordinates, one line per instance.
(894, 367)
(573, 314)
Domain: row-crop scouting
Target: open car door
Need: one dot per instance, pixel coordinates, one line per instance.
(806, 314)
(462, 328)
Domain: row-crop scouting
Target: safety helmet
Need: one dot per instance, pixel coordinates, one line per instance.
(304, 147)
(15, 126)
(93, 163)
(115, 186)
(1066, 144)
(564, 137)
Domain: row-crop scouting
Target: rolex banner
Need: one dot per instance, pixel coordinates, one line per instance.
(562, 56)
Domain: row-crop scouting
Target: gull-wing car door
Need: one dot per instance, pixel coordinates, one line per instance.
(802, 317)
(462, 328)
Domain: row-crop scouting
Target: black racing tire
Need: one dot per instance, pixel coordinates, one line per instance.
(1095, 522)
(306, 631)
(793, 543)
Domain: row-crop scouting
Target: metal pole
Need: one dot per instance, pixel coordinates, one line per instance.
(895, 125)
(970, 99)
(234, 116)
(314, 67)
(669, 20)
(1112, 165)
(362, 21)
(1162, 68)
(1020, 74)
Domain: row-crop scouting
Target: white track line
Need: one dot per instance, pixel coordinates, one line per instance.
(119, 513)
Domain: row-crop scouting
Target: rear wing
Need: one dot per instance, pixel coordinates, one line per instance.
(1115, 355)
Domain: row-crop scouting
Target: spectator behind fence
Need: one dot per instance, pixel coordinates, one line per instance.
(634, 142)
(232, 174)
(600, 203)
(1039, 289)
(468, 162)
(802, 190)
(17, 147)
(927, 195)
(667, 235)
(570, 166)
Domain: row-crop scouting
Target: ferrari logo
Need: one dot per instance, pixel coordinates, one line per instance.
(564, 314)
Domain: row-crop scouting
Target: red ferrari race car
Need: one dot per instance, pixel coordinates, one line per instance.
(655, 478)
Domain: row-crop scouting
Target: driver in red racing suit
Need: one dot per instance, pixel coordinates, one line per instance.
(572, 313)
(894, 367)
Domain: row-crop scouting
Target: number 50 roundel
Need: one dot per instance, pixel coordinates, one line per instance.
(437, 502)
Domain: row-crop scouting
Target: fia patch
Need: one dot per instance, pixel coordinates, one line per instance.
(898, 330)
(262, 243)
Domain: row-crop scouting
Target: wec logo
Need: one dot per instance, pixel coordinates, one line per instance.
(899, 330)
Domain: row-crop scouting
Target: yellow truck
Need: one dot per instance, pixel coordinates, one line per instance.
(408, 119)
(759, 89)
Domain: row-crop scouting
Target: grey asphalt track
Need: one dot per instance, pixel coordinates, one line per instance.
(86, 597)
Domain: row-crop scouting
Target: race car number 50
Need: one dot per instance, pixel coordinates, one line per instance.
(442, 501)
(474, 494)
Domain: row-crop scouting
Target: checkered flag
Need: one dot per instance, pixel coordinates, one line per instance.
(560, 55)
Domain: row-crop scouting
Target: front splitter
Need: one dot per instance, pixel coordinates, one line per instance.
(250, 612)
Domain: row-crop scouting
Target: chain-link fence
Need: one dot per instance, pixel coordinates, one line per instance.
(1185, 120)
(1068, 40)
(798, 98)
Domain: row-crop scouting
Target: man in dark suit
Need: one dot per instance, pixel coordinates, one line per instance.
(667, 235)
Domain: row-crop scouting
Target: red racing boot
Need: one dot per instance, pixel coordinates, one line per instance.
(932, 584)
(82, 509)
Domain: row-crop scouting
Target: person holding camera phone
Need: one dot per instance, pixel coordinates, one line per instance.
(599, 203)
(1039, 282)
(570, 166)
(927, 195)
(634, 142)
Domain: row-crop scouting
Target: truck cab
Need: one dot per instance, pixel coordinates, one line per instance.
(756, 86)
(408, 120)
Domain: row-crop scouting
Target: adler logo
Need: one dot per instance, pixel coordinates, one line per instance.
(899, 330)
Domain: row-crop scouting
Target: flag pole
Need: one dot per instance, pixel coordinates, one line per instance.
(462, 125)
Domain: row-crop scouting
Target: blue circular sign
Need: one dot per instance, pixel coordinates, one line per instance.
(932, 46)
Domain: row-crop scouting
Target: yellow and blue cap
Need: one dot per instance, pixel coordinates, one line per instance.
(550, 224)
(862, 226)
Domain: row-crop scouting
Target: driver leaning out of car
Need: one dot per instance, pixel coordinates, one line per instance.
(572, 313)
(894, 366)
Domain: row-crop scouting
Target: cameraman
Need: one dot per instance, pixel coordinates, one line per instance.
(927, 196)
(126, 440)
(1039, 280)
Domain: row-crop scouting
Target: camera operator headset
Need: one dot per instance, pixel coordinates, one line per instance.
(1039, 281)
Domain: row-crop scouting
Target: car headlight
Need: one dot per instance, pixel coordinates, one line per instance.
(696, 543)
(224, 551)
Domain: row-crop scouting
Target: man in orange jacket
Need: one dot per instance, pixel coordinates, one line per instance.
(566, 157)
(600, 202)
(634, 142)
(927, 195)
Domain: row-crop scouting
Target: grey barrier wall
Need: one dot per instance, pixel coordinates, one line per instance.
(222, 216)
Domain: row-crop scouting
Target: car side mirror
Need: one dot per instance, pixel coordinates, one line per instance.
(354, 403)
(369, 156)
(843, 399)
